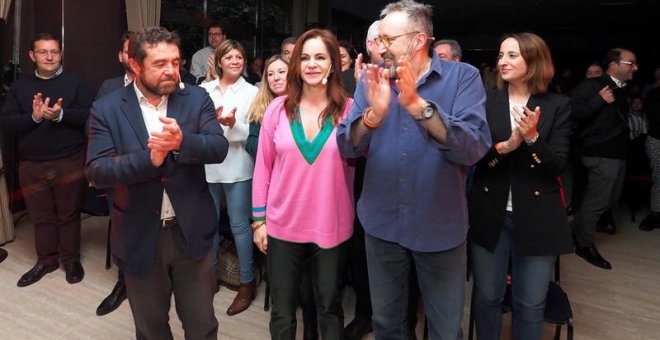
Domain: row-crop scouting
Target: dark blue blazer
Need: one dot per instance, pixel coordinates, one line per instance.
(110, 85)
(118, 158)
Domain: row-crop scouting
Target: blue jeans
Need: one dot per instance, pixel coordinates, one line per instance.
(441, 278)
(529, 286)
(239, 208)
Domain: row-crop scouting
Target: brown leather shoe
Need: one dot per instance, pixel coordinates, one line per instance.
(246, 293)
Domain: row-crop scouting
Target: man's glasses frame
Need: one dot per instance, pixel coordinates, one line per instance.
(44, 53)
(388, 41)
(632, 63)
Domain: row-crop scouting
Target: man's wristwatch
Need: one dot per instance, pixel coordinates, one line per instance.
(426, 113)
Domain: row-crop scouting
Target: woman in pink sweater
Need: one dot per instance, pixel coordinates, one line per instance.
(302, 189)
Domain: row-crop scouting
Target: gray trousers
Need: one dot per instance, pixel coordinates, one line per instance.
(605, 178)
(192, 283)
(653, 152)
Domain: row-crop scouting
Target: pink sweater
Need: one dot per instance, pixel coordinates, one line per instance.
(301, 202)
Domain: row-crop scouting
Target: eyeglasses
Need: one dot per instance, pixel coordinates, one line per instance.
(632, 63)
(44, 53)
(215, 34)
(387, 41)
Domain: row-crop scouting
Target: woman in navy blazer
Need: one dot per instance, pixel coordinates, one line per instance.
(516, 203)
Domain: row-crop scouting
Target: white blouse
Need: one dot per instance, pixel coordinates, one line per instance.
(238, 166)
(509, 202)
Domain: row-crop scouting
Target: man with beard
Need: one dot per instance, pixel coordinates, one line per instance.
(48, 111)
(422, 131)
(118, 294)
(148, 142)
(600, 111)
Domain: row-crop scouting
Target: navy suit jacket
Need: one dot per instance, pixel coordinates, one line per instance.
(110, 85)
(118, 158)
(531, 173)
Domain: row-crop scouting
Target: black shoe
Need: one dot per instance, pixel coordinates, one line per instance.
(114, 300)
(358, 328)
(74, 272)
(591, 255)
(3, 255)
(650, 222)
(36, 273)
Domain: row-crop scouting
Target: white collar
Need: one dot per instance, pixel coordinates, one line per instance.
(618, 82)
(143, 99)
(127, 81)
(57, 73)
(235, 87)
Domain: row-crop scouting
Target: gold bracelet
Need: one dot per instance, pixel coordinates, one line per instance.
(532, 140)
(257, 225)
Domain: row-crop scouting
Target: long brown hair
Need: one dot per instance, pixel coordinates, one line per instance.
(334, 88)
(536, 54)
(265, 95)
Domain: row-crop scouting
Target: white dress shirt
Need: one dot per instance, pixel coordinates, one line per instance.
(150, 114)
(618, 82)
(239, 165)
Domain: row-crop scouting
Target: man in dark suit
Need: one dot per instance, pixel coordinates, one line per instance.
(149, 143)
(113, 84)
(118, 294)
(600, 112)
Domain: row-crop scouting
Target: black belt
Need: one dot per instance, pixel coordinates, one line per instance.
(169, 223)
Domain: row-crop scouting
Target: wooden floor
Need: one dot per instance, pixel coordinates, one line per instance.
(620, 304)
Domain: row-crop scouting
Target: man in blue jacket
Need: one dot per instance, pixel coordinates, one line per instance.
(149, 143)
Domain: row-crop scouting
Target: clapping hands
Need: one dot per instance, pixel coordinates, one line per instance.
(167, 140)
(526, 121)
(42, 110)
(225, 118)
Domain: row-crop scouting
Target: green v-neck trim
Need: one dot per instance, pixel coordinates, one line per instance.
(310, 150)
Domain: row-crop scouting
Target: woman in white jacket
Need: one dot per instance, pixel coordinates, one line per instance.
(233, 96)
